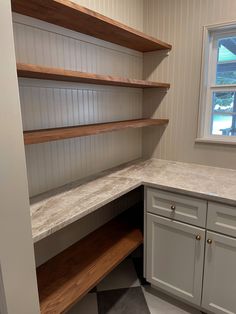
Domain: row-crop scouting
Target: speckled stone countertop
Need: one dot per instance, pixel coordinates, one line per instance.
(56, 209)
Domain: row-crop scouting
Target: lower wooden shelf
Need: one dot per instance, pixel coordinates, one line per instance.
(67, 277)
(48, 135)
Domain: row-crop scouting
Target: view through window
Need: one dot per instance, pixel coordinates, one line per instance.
(224, 98)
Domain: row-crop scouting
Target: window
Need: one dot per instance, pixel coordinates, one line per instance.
(217, 118)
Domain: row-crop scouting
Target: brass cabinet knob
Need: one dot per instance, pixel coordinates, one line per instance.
(198, 237)
(209, 241)
(172, 207)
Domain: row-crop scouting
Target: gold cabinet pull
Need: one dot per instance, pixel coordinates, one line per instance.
(198, 237)
(172, 207)
(209, 241)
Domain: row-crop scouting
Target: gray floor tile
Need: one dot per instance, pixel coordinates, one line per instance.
(88, 305)
(122, 301)
(120, 293)
(159, 303)
(123, 276)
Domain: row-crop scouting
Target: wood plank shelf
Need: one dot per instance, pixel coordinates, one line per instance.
(46, 73)
(70, 15)
(54, 134)
(67, 277)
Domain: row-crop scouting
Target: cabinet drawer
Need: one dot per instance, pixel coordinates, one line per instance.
(176, 206)
(222, 218)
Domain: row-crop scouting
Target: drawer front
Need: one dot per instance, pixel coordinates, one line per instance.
(176, 206)
(221, 218)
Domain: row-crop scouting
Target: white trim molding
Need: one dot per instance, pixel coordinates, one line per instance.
(211, 33)
(216, 140)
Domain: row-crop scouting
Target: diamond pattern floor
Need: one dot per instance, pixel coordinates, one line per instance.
(125, 291)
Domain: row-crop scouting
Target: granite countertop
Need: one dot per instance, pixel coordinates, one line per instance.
(56, 209)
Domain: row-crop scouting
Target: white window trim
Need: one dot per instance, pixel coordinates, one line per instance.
(207, 79)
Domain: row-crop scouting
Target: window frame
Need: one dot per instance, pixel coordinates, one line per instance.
(211, 34)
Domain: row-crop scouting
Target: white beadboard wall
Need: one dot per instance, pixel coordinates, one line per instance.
(129, 12)
(180, 22)
(47, 104)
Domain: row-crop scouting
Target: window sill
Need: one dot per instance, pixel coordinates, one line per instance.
(221, 141)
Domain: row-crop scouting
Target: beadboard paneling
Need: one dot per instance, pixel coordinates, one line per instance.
(46, 44)
(181, 22)
(128, 12)
(47, 104)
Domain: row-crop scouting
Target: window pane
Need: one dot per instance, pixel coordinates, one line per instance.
(227, 49)
(224, 113)
(222, 125)
(226, 65)
(224, 102)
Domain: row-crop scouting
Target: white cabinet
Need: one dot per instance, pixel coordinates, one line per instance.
(219, 289)
(181, 260)
(178, 207)
(221, 218)
(175, 253)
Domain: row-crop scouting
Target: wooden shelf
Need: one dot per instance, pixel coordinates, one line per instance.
(67, 277)
(46, 73)
(70, 15)
(48, 135)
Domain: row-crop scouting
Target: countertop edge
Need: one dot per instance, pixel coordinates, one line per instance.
(44, 234)
(128, 170)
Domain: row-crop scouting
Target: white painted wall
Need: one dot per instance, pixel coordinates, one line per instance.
(181, 22)
(129, 12)
(19, 288)
(47, 104)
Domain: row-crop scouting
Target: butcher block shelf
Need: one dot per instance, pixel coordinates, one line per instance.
(48, 135)
(67, 277)
(72, 16)
(46, 73)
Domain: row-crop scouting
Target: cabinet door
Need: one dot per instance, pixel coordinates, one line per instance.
(219, 288)
(174, 260)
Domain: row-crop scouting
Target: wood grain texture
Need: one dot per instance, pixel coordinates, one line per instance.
(46, 73)
(54, 134)
(70, 15)
(67, 277)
